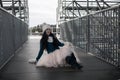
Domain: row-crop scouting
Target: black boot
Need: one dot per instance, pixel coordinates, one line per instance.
(71, 60)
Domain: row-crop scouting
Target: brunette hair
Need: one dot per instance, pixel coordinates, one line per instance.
(44, 39)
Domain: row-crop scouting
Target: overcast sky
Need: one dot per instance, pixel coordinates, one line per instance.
(42, 11)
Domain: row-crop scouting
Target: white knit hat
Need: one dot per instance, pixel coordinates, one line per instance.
(46, 26)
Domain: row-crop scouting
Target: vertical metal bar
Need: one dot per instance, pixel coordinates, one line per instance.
(119, 37)
(115, 32)
(1, 38)
(87, 6)
(72, 22)
(100, 31)
(62, 9)
(107, 56)
(103, 30)
(113, 48)
(13, 7)
(105, 35)
(1, 3)
(108, 37)
(73, 7)
(111, 38)
(24, 11)
(78, 32)
(88, 28)
(19, 8)
(27, 12)
(13, 33)
(65, 10)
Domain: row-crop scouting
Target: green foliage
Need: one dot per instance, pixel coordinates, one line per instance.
(38, 28)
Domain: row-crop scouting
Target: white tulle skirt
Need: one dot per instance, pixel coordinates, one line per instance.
(57, 58)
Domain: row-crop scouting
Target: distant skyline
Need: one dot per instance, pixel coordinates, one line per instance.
(41, 11)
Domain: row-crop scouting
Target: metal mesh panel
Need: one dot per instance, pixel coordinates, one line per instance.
(7, 46)
(62, 29)
(12, 35)
(82, 33)
(18, 33)
(69, 31)
(104, 35)
(97, 33)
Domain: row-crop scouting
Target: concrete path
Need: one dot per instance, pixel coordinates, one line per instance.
(19, 69)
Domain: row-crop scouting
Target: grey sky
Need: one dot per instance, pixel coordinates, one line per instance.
(42, 11)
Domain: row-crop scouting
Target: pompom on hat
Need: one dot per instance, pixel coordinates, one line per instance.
(46, 26)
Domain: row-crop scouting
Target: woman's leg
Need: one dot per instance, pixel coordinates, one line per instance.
(71, 60)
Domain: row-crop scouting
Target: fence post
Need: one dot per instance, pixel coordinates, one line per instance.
(88, 28)
(88, 33)
(119, 37)
(1, 39)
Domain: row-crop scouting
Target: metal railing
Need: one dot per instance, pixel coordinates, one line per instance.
(98, 33)
(13, 33)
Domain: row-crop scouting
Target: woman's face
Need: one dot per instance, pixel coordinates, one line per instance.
(48, 31)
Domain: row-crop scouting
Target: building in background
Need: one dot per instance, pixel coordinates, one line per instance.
(38, 30)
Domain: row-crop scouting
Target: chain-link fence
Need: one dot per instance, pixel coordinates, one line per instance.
(13, 33)
(97, 33)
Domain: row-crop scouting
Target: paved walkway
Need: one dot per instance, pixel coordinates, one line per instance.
(19, 69)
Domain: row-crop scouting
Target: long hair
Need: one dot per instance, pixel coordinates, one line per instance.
(44, 39)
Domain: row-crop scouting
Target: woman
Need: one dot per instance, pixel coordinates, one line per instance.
(59, 54)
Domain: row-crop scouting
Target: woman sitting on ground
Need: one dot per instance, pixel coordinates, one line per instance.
(58, 54)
